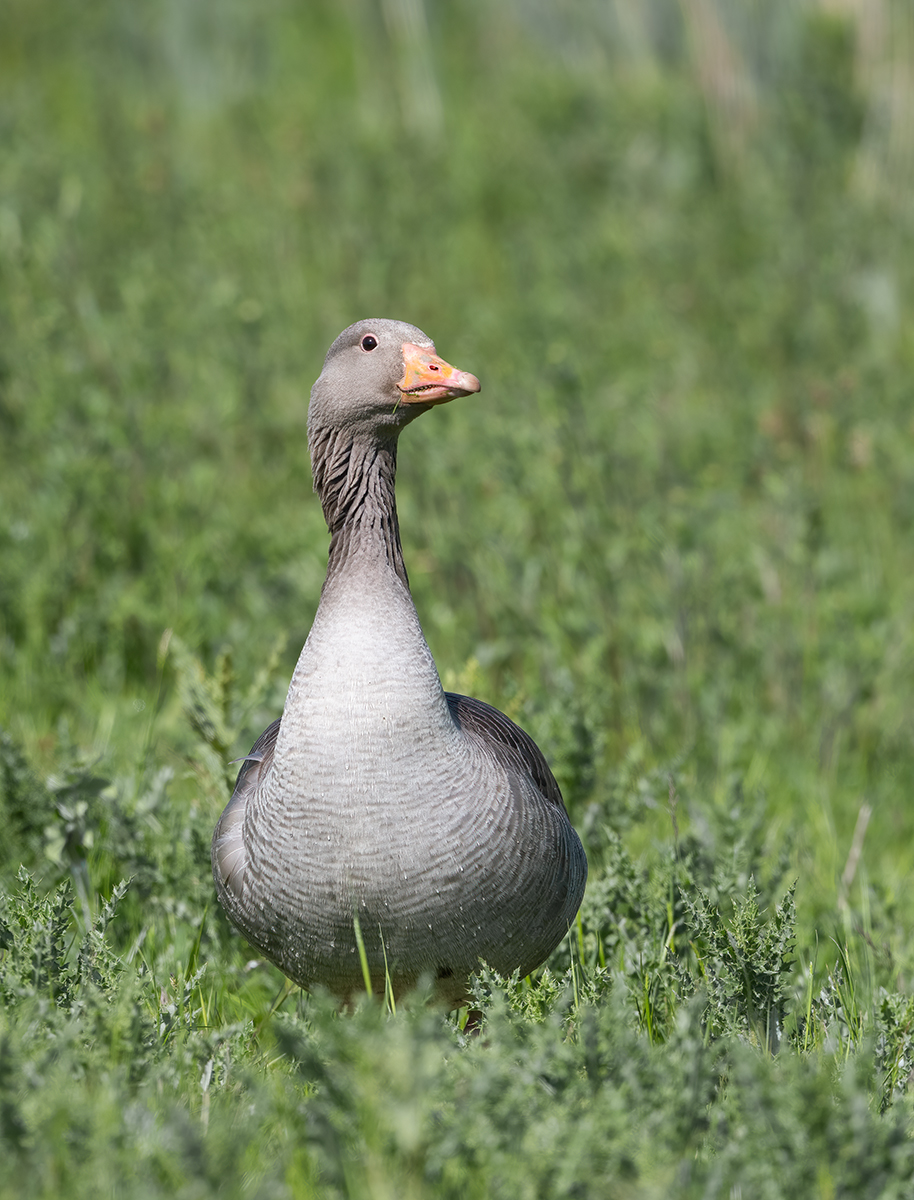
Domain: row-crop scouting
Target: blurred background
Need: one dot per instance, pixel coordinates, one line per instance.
(672, 536)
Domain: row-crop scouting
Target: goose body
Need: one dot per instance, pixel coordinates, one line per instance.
(429, 817)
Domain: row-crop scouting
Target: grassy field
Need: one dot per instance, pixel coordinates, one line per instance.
(672, 538)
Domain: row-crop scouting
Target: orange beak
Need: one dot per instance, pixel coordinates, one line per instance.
(428, 379)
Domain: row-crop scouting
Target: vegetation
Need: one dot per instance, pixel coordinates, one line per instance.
(672, 537)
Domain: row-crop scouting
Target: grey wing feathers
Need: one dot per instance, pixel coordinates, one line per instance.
(506, 740)
(228, 852)
(258, 760)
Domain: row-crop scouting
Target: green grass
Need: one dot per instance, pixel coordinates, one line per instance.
(672, 537)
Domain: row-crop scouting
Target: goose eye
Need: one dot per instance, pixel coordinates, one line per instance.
(369, 342)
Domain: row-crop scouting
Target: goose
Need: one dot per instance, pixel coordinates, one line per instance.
(381, 820)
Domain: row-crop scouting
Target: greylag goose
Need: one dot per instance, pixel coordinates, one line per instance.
(379, 805)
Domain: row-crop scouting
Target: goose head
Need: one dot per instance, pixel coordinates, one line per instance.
(378, 376)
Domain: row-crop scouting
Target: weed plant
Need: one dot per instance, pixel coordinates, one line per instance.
(672, 538)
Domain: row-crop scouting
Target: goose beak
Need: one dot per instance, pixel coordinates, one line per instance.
(428, 379)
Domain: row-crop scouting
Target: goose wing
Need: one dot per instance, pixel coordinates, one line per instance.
(229, 855)
(506, 741)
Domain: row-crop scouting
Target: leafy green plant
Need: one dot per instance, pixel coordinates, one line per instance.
(37, 938)
(215, 712)
(744, 966)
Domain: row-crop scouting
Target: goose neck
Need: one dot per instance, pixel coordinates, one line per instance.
(355, 478)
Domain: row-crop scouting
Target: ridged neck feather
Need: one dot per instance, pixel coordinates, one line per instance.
(354, 475)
